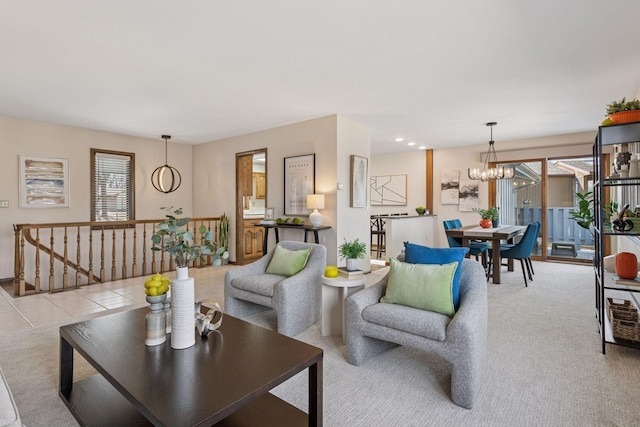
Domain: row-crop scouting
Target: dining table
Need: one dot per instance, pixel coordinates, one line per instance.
(495, 235)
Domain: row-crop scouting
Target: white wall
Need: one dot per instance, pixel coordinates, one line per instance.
(353, 223)
(214, 163)
(23, 137)
(413, 165)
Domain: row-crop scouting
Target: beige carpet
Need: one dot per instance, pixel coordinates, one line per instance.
(544, 368)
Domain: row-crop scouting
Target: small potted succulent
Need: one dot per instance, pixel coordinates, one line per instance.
(488, 217)
(624, 111)
(351, 251)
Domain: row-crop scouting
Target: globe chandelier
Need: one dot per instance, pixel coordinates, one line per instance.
(491, 174)
(165, 178)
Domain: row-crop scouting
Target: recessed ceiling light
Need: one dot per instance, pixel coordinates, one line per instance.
(411, 144)
(399, 139)
(422, 147)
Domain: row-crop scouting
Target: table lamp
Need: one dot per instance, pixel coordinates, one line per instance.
(315, 202)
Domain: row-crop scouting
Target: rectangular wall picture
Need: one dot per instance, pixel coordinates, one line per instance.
(449, 184)
(299, 180)
(468, 193)
(359, 181)
(389, 190)
(44, 182)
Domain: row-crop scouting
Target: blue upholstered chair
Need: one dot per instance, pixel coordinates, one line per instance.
(521, 251)
(476, 249)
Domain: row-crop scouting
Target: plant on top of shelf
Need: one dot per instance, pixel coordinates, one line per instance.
(623, 111)
(622, 105)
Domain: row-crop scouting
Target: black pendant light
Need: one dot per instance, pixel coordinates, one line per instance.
(166, 179)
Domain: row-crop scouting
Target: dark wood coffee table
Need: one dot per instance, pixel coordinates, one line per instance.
(223, 380)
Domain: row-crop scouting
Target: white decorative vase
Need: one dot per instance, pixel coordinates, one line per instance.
(182, 310)
(352, 264)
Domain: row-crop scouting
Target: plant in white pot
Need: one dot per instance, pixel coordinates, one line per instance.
(352, 251)
(172, 236)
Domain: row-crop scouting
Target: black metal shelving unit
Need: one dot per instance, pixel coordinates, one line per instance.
(611, 135)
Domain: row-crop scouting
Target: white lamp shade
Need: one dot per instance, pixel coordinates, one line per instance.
(315, 201)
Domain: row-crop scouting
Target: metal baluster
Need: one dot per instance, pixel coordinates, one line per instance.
(65, 274)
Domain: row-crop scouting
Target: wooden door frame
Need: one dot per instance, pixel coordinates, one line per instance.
(239, 202)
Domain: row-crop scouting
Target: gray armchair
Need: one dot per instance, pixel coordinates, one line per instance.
(296, 299)
(373, 327)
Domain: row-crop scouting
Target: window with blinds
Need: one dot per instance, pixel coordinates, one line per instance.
(112, 185)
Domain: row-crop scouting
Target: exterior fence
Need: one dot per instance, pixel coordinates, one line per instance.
(560, 226)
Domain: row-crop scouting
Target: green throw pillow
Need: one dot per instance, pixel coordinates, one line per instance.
(287, 263)
(424, 286)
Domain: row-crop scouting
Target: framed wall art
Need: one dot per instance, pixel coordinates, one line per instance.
(468, 194)
(359, 181)
(449, 184)
(44, 182)
(389, 190)
(299, 180)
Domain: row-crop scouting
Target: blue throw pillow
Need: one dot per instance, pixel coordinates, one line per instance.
(416, 254)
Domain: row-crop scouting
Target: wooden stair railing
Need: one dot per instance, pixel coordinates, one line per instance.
(122, 255)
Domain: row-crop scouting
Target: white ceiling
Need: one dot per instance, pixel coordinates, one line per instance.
(430, 71)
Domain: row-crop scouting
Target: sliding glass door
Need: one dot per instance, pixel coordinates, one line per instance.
(520, 200)
(545, 190)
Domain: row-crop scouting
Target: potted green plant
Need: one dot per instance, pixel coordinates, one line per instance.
(351, 251)
(584, 214)
(624, 111)
(488, 216)
(223, 240)
(171, 236)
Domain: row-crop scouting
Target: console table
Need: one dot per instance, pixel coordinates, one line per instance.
(305, 227)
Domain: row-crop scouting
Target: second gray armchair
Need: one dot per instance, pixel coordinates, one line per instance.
(296, 299)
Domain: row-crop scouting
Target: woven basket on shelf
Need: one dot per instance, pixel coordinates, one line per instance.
(624, 320)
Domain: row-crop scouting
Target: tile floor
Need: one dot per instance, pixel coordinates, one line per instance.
(28, 312)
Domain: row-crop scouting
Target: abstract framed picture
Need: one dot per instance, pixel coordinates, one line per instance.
(359, 181)
(389, 190)
(449, 184)
(44, 182)
(468, 194)
(299, 180)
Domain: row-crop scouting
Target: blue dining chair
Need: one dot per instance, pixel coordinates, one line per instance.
(504, 246)
(521, 251)
(477, 249)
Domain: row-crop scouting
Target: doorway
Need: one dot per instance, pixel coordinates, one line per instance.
(251, 200)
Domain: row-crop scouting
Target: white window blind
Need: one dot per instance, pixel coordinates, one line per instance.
(112, 187)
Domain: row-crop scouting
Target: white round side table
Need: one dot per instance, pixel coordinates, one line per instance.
(328, 305)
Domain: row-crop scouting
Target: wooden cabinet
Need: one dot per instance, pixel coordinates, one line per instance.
(259, 185)
(252, 240)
